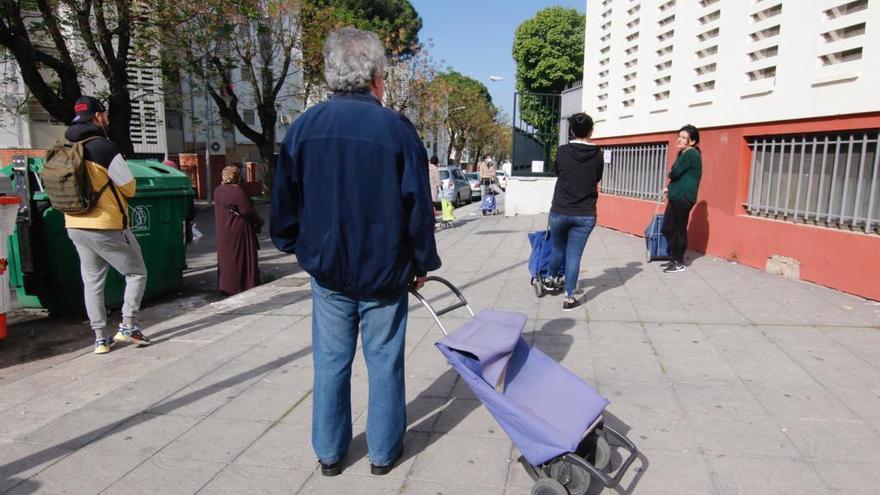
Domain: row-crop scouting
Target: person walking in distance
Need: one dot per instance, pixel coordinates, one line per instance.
(434, 176)
(101, 234)
(684, 183)
(579, 167)
(351, 199)
(487, 174)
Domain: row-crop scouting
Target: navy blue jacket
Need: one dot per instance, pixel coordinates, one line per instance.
(351, 198)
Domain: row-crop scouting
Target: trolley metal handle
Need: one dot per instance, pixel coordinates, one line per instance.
(462, 302)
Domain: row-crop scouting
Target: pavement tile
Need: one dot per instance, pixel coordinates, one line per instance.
(166, 475)
(741, 435)
(226, 438)
(762, 476)
(837, 441)
(82, 472)
(851, 477)
(662, 472)
(801, 403)
(481, 461)
(77, 428)
(236, 479)
(19, 461)
(366, 485)
(264, 402)
(142, 435)
(285, 445)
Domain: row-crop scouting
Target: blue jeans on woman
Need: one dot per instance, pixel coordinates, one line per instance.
(569, 235)
(336, 320)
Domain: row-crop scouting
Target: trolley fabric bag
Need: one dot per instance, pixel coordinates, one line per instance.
(655, 242)
(539, 259)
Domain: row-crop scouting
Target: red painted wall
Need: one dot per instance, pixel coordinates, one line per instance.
(719, 225)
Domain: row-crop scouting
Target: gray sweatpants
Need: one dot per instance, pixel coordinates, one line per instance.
(98, 251)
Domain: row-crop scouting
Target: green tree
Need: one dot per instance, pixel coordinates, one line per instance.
(395, 21)
(60, 44)
(549, 54)
(470, 113)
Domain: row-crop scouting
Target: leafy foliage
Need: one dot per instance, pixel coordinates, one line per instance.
(549, 54)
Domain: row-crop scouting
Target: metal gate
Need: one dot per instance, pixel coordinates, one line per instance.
(535, 133)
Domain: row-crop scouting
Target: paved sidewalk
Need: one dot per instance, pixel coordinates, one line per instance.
(730, 381)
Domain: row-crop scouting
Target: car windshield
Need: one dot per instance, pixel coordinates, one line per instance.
(444, 174)
(499, 172)
(473, 176)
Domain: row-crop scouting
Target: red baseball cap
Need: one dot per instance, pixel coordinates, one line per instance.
(85, 108)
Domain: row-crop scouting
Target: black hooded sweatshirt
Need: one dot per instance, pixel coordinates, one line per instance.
(579, 168)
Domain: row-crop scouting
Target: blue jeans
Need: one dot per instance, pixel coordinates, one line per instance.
(335, 323)
(569, 235)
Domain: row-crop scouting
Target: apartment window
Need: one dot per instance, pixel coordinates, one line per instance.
(765, 33)
(704, 86)
(632, 37)
(601, 108)
(768, 52)
(636, 170)
(633, 23)
(714, 16)
(632, 49)
(826, 179)
(666, 21)
(663, 80)
(706, 69)
(841, 57)
(628, 103)
(708, 35)
(846, 8)
(708, 3)
(663, 66)
(667, 5)
(637, 7)
(605, 38)
(249, 117)
(631, 63)
(663, 95)
(666, 50)
(707, 52)
(665, 36)
(630, 76)
(844, 33)
(765, 73)
(629, 90)
(767, 13)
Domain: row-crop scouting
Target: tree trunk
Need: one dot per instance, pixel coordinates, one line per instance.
(120, 117)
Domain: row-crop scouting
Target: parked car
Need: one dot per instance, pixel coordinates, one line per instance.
(501, 176)
(474, 181)
(454, 186)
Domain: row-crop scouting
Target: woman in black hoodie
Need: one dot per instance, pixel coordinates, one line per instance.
(579, 166)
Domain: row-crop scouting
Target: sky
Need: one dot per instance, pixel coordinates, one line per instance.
(475, 37)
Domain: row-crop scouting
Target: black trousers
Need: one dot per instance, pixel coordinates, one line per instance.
(675, 222)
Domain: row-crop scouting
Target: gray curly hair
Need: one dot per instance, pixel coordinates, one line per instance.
(352, 58)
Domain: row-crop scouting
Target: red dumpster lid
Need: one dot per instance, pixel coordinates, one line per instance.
(9, 200)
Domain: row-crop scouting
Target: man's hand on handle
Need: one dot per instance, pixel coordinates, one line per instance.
(419, 282)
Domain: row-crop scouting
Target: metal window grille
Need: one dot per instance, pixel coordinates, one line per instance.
(831, 180)
(636, 171)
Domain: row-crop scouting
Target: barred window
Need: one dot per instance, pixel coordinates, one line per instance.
(635, 170)
(828, 179)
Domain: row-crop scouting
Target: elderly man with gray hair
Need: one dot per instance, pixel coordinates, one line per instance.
(351, 199)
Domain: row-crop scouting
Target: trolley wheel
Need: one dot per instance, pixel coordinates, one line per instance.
(575, 479)
(548, 486)
(603, 453)
(539, 287)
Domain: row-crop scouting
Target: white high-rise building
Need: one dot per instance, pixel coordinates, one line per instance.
(784, 93)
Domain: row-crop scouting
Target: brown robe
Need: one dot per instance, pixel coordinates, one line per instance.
(237, 257)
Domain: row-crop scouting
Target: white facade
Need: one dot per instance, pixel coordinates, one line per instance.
(654, 65)
(25, 124)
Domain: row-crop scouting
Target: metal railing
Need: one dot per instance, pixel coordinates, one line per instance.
(636, 171)
(829, 179)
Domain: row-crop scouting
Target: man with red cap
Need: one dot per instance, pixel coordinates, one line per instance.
(101, 234)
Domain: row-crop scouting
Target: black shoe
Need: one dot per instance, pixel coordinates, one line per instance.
(570, 305)
(331, 469)
(382, 470)
(667, 264)
(674, 267)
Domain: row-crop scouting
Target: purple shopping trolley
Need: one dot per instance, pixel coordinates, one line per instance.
(553, 417)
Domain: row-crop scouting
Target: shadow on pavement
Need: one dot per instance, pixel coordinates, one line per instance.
(605, 282)
(161, 407)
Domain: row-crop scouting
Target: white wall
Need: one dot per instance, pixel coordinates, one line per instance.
(528, 195)
(803, 86)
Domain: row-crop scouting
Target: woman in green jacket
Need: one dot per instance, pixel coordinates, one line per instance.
(684, 182)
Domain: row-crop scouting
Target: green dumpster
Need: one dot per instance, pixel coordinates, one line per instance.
(44, 265)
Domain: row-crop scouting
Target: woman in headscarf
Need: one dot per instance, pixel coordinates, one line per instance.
(237, 226)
